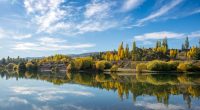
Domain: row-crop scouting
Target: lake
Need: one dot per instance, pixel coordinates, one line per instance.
(89, 91)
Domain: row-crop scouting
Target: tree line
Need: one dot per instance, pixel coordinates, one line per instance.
(161, 51)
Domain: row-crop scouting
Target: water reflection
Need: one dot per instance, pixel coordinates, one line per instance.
(166, 88)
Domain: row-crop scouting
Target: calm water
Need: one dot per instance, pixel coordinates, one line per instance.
(86, 91)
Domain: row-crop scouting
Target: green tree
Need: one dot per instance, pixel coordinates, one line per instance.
(121, 51)
(187, 43)
(158, 44)
(183, 47)
(134, 51)
(127, 51)
(173, 53)
(165, 43)
(3, 61)
(199, 42)
(21, 66)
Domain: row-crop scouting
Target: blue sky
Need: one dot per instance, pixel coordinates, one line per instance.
(34, 28)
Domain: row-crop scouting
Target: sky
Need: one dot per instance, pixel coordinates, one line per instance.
(36, 28)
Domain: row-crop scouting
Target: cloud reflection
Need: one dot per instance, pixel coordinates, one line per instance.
(46, 94)
(158, 106)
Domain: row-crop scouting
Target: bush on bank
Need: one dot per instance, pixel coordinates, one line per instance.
(141, 67)
(159, 66)
(114, 68)
(186, 66)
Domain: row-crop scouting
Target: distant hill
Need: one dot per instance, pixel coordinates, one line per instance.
(83, 54)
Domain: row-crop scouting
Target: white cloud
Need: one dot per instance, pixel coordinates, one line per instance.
(12, 102)
(48, 12)
(73, 107)
(50, 40)
(92, 26)
(44, 98)
(160, 12)
(15, 35)
(43, 45)
(97, 9)
(20, 37)
(3, 33)
(71, 20)
(194, 34)
(195, 11)
(131, 4)
(18, 100)
(158, 35)
(47, 94)
(158, 106)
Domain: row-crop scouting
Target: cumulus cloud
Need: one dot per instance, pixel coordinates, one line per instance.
(158, 35)
(52, 16)
(48, 12)
(131, 4)
(160, 12)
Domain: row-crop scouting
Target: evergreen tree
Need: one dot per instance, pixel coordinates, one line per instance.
(199, 42)
(164, 43)
(21, 66)
(187, 43)
(158, 44)
(3, 61)
(183, 47)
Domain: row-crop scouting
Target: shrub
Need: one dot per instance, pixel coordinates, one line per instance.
(158, 66)
(21, 67)
(140, 67)
(77, 64)
(15, 68)
(108, 65)
(55, 69)
(183, 67)
(173, 65)
(100, 65)
(31, 66)
(83, 63)
(10, 66)
(114, 68)
(71, 67)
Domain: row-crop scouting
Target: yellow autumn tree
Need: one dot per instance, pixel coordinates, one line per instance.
(173, 53)
(192, 52)
(121, 51)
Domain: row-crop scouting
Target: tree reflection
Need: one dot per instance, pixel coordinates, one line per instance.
(162, 86)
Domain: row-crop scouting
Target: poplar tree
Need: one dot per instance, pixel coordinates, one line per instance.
(187, 43)
(134, 51)
(164, 43)
(127, 51)
(121, 51)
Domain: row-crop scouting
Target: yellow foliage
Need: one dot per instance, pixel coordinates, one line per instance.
(192, 52)
(173, 53)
